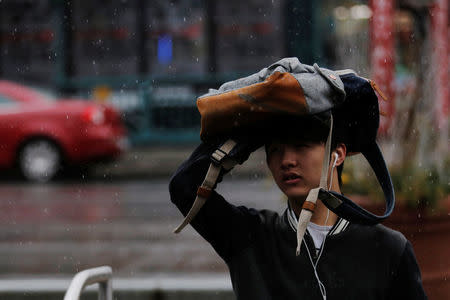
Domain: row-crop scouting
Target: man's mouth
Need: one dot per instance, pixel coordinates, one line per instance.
(291, 178)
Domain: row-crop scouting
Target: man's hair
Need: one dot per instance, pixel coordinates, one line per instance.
(310, 130)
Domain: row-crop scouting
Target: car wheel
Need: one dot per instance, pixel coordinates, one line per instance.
(39, 160)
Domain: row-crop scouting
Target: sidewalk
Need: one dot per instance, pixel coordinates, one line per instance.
(162, 162)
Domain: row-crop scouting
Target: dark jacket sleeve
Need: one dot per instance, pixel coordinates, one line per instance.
(219, 222)
(407, 281)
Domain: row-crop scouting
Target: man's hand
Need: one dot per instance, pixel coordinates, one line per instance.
(244, 147)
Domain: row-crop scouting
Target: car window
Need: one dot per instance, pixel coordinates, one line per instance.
(4, 101)
(24, 94)
(44, 94)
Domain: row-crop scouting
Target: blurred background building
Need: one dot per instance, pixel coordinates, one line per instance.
(151, 59)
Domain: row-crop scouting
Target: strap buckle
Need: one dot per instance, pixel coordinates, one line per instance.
(218, 156)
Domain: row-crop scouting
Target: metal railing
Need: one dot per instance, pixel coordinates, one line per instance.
(100, 275)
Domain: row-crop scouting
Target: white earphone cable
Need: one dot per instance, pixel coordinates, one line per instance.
(336, 156)
(322, 289)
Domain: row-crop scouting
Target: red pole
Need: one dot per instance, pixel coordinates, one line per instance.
(440, 36)
(382, 57)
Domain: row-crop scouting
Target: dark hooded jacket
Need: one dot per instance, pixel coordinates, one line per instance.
(258, 246)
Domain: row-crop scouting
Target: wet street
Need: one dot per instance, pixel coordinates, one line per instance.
(66, 227)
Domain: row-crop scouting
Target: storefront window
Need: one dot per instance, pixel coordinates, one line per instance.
(249, 34)
(105, 40)
(26, 40)
(344, 27)
(176, 38)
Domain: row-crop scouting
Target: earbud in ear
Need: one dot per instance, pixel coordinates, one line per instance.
(336, 156)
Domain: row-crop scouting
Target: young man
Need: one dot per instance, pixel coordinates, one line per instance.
(290, 107)
(338, 259)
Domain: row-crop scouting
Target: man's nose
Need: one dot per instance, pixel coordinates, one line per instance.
(289, 158)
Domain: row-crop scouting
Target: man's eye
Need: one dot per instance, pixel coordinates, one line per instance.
(273, 149)
(300, 145)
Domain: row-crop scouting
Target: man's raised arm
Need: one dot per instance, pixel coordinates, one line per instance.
(218, 221)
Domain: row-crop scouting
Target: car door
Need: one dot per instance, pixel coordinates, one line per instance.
(10, 119)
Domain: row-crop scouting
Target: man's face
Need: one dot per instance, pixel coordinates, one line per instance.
(296, 166)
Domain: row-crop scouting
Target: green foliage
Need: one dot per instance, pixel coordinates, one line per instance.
(413, 185)
(420, 186)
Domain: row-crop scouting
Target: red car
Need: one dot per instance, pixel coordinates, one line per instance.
(39, 135)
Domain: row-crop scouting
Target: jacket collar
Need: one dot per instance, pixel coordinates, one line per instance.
(340, 226)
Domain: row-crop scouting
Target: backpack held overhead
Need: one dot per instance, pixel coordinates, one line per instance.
(250, 106)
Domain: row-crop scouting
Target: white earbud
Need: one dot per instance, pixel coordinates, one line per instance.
(336, 156)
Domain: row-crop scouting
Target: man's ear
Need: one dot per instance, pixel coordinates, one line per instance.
(341, 151)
